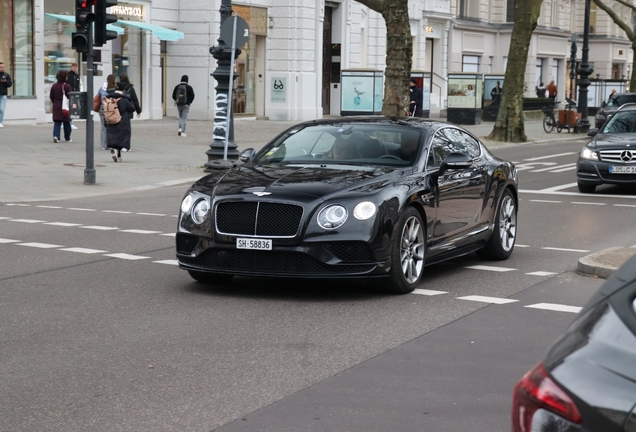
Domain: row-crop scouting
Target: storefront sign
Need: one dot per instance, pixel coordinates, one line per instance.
(129, 11)
(279, 90)
(256, 18)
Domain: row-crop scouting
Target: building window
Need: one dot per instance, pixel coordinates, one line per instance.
(471, 63)
(16, 45)
(539, 71)
(593, 18)
(510, 10)
(469, 9)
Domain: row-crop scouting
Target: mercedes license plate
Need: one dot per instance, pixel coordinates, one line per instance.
(622, 169)
(255, 244)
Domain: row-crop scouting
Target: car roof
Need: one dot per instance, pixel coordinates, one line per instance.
(419, 123)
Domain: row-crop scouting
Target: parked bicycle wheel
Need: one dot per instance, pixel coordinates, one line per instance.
(578, 128)
(548, 124)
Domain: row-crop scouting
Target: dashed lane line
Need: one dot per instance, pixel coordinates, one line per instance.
(546, 201)
(555, 307)
(91, 210)
(490, 268)
(62, 224)
(138, 231)
(588, 203)
(83, 250)
(31, 221)
(4, 240)
(522, 246)
(541, 273)
(485, 299)
(151, 214)
(169, 234)
(81, 209)
(99, 227)
(169, 262)
(428, 292)
(126, 256)
(558, 167)
(49, 207)
(41, 245)
(624, 205)
(116, 211)
(18, 205)
(548, 157)
(565, 249)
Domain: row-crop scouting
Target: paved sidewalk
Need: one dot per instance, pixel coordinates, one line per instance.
(33, 168)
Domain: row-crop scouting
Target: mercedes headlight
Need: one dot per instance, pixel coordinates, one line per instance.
(200, 211)
(586, 153)
(364, 210)
(186, 203)
(332, 217)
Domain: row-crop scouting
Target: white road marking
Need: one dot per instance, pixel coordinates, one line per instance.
(63, 224)
(174, 216)
(428, 292)
(558, 188)
(31, 221)
(3, 240)
(624, 205)
(138, 231)
(4, 217)
(546, 201)
(484, 299)
(169, 262)
(490, 268)
(18, 205)
(565, 250)
(554, 168)
(588, 203)
(116, 211)
(522, 246)
(151, 214)
(564, 169)
(549, 156)
(127, 256)
(101, 228)
(81, 209)
(49, 207)
(169, 234)
(166, 183)
(41, 245)
(83, 250)
(541, 273)
(555, 307)
(529, 166)
(556, 191)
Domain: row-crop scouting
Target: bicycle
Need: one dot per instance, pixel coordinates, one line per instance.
(549, 122)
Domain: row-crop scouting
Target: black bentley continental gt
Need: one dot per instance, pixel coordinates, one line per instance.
(351, 197)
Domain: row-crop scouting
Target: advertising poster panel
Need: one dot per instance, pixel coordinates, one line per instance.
(379, 91)
(493, 87)
(358, 92)
(464, 91)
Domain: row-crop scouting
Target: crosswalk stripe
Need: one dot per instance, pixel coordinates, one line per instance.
(41, 245)
(490, 268)
(83, 250)
(428, 292)
(126, 256)
(555, 307)
(484, 299)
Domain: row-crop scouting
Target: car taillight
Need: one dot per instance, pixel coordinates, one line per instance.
(536, 390)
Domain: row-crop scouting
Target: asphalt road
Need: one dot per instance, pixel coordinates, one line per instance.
(100, 331)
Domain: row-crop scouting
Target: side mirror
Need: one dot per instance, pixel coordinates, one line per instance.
(603, 104)
(592, 132)
(455, 161)
(247, 155)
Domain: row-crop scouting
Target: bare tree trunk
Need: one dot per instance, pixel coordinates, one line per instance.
(399, 50)
(509, 126)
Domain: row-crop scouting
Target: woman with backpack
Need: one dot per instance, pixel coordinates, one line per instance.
(118, 110)
(110, 83)
(58, 90)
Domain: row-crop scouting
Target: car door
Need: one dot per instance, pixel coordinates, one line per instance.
(459, 192)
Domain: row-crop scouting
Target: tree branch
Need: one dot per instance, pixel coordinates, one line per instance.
(624, 3)
(619, 22)
(376, 5)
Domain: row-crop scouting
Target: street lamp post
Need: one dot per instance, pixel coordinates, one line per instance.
(584, 71)
(222, 121)
(573, 65)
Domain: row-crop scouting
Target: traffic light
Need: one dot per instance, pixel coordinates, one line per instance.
(102, 19)
(84, 16)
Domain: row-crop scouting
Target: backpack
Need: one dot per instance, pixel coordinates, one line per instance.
(111, 110)
(182, 94)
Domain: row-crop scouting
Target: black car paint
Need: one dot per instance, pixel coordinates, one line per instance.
(594, 361)
(478, 189)
(607, 111)
(585, 168)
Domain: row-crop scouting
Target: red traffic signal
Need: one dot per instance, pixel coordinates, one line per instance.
(84, 15)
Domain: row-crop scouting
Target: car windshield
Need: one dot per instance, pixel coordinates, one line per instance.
(363, 144)
(622, 122)
(621, 99)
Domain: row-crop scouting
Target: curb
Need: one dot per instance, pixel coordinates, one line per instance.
(602, 264)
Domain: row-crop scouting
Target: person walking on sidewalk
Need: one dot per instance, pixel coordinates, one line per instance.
(129, 91)
(552, 90)
(73, 79)
(5, 83)
(111, 84)
(416, 98)
(58, 91)
(183, 95)
(119, 133)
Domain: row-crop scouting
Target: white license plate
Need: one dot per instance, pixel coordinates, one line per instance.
(622, 169)
(256, 244)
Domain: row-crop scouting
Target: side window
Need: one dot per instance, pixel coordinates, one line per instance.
(472, 145)
(462, 142)
(440, 148)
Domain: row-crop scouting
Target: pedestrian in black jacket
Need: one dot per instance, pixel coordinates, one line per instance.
(183, 95)
(417, 99)
(129, 91)
(5, 83)
(119, 135)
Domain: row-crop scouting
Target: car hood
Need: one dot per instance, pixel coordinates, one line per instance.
(294, 181)
(615, 141)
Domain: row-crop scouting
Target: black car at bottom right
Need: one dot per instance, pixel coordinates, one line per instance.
(587, 380)
(610, 157)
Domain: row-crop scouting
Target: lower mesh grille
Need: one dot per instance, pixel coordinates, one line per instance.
(270, 262)
(351, 251)
(186, 243)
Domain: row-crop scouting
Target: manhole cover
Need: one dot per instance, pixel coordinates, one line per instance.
(83, 165)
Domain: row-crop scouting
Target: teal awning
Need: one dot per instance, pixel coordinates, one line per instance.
(161, 32)
(71, 19)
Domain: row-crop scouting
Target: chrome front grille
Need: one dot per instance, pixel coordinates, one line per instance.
(619, 156)
(258, 219)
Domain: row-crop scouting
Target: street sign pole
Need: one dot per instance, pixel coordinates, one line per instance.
(89, 171)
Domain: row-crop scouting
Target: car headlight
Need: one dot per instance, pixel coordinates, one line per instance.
(364, 210)
(333, 216)
(200, 211)
(586, 153)
(186, 204)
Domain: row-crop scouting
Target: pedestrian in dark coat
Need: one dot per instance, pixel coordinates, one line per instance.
(125, 85)
(417, 99)
(118, 135)
(58, 90)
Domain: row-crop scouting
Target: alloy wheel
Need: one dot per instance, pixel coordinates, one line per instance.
(507, 223)
(412, 249)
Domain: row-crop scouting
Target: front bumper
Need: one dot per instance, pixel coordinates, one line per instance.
(597, 172)
(310, 259)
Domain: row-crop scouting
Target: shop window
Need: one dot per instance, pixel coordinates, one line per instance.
(58, 54)
(16, 45)
(243, 94)
(471, 63)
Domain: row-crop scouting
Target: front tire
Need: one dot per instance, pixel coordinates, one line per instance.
(210, 278)
(407, 252)
(548, 125)
(586, 188)
(502, 240)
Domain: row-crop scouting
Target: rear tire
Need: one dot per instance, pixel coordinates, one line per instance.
(548, 125)
(503, 238)
(408, 251)
(586, 188)
(210, 278)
